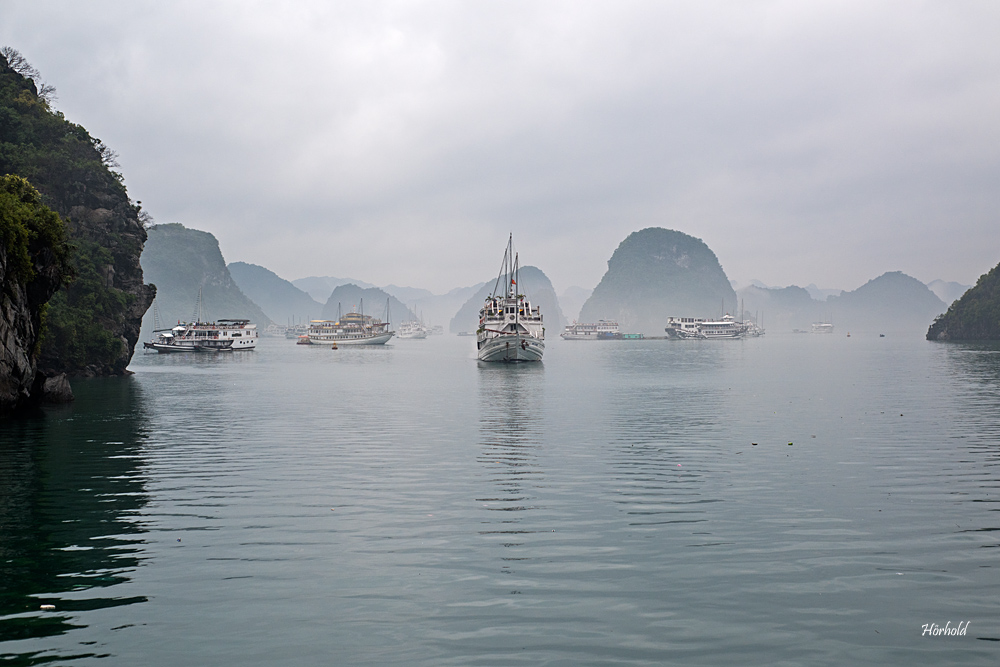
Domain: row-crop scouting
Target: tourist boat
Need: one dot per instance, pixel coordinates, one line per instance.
(601, 330)
(510, 329)
(727, 327)
(683, 327)
(696, 327)
(350, 329)
(296, 331)
(411, 329)
(822, 327)
(219, 336)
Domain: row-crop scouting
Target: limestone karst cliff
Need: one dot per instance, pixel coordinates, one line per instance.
(182, 261)
(92, 324)
(656, 273)
(975, 316)
(33, 265)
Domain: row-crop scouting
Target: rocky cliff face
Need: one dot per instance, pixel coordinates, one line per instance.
(33, 264)
(20, 325)
(92, 325)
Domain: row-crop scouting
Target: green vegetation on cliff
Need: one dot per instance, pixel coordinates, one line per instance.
(656, 273)
(34, 263)
(976, 316)
(29, 229)
(93, 323)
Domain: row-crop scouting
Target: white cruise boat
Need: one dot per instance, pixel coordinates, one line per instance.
(695, 327)
(411, 329)
(601, 330)
(219, 336)
(351, 329)
(510, 329)
(822, 327)
(683, 327)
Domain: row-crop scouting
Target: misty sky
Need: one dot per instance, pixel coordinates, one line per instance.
(399, 142)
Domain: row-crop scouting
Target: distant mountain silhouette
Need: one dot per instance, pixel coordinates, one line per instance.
(782, 308)
(282, 301)
(821, 294)
(433, 309)
(352, 298)
(892, 302)
(534, 284)
(975, 316)
(572, 300)
(320, 287)
(949, 292)
(656, 273)
(179, 261)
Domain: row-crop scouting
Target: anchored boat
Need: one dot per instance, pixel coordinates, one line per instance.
(510, 328)
(350, 329)
(601, 330)
(220, 336)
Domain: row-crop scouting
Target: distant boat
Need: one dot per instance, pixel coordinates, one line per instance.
(822, 327)
(351, 329)
(412, 329)
(600, 330)
(696, 327)
(296, 331)
(510, 329)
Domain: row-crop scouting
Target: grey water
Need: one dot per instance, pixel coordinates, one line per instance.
(786, 500)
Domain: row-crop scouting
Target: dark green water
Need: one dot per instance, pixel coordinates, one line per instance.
(411, 506)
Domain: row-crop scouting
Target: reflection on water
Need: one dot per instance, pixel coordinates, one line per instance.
(606, 507)
(510, 424)
(665, 430)
(71, 489)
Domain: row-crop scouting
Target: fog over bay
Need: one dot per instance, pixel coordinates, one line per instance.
(400, 142)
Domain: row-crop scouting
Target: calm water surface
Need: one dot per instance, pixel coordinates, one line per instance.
(409, 505)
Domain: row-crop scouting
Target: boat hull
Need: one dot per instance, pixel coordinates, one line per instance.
(377, 339)
(166, 348)
(512, 348)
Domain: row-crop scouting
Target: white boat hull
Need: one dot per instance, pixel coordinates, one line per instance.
(174, 347)
(377, 339)
(512, 348)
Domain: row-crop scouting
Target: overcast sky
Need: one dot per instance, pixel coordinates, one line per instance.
(400, 142)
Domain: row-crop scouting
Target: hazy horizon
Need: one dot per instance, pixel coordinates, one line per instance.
(823, 143)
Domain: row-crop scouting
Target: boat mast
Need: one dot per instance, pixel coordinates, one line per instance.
(505, 267)
(198, 309)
